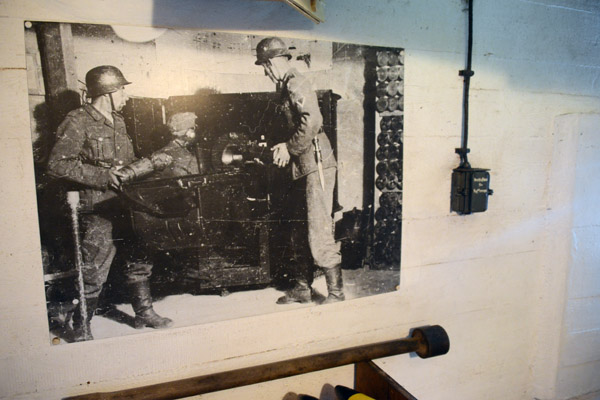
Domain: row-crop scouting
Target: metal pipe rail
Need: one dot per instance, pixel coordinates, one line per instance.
(426, 341)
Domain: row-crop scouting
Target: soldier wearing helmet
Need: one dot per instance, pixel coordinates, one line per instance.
(310, 154)
(91, 148)
(270, 48)
(183, 129)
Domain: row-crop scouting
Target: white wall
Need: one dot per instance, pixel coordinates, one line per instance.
(575, 215)
(496, 281)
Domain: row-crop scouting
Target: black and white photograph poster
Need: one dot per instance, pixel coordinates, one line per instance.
(185, 177)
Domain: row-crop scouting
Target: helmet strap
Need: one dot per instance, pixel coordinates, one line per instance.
(112, 103)
(276, 78)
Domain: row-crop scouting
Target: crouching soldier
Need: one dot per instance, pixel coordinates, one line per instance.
(174, 159)
(183, 129)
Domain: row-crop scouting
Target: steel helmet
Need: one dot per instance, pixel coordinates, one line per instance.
(270, 48)
(179, 123)
(104, 79)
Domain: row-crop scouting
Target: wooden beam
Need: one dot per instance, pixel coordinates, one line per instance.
(426, 341)
(58, 59)
(282, 369)
(55, 41)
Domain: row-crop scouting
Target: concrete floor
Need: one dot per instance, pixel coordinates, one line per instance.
(187, 309)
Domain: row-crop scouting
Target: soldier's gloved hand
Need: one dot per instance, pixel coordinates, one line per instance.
(160, 161)
(281, 155)
(119, 177)
(126, 175)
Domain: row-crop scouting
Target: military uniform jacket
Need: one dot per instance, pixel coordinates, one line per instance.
(302, 108)
(184, 161)
(87, 147)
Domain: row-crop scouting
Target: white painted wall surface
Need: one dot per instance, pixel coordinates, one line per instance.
(577, 139)
(497, 281)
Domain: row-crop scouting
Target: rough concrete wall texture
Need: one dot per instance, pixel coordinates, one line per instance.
(497, 281)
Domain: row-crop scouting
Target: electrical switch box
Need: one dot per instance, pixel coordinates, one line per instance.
(470, 190)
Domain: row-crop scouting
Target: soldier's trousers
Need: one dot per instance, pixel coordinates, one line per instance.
(98, 251)
(314, 205)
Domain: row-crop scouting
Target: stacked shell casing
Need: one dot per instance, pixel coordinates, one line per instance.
(389, 157)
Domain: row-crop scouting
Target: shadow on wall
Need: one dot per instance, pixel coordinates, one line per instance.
(229, 14)
(439, 32)
(53, 213)
(48, 116)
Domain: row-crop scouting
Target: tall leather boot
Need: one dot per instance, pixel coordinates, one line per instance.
(141, 301)
(335, 284)
(82, 326)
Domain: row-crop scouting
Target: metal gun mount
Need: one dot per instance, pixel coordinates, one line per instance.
(235, 149)
(220, 221)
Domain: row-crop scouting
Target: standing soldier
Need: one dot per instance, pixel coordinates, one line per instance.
(313, 169)
(92, 145)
